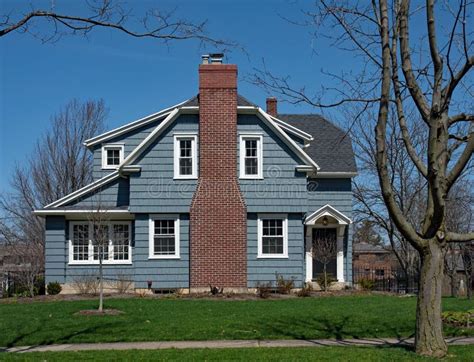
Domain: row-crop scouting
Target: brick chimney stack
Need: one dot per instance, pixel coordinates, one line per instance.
(272, 106)
(218, 213)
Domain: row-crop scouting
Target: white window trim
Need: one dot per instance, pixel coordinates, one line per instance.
(151, 239)
(194, 151)
(262, 217)
(259, 138)
(91, 260)
(119, 146)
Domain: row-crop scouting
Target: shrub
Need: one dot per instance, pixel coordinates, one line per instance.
(86, 284)
(305, 291)
(461, 319)
(123, 283)
(329, 280)
(53, 288)
(264, 290)
(284, 286)
(366, 283)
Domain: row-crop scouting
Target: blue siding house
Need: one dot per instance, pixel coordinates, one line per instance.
(211, 191)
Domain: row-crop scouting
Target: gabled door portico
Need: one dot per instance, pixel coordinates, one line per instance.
(326, 217)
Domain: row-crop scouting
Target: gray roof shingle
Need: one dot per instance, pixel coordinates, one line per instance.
(331, 148)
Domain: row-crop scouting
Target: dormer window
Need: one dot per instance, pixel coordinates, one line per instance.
(185, 156)
(251, 157)
(112, 156)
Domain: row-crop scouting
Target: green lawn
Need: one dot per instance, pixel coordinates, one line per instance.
(458, 353)
(185, 319)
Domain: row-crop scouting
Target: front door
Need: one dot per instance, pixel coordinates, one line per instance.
(331, 268)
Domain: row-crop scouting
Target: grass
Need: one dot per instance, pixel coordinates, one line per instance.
(458, 353)
(359, 316)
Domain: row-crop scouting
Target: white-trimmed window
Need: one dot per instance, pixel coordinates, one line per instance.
(272, 236)
(164, 237)
(114, 235)
(251, 160)
(185, 156)
(112, 156)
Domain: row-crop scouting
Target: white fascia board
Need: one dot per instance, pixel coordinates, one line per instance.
(71, 211)
(82, 191)
(336, 174)
(304, 156)
(152, 136)
(292, 129)
(304, 168)
(330, 211)
(130, 126)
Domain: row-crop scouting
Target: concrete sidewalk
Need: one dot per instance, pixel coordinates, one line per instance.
(228, 344)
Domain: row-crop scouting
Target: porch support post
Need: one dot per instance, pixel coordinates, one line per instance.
(309, 255)
(340, 254)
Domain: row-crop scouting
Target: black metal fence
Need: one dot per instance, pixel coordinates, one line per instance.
(385, 279)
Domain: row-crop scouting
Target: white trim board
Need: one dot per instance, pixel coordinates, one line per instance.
(328, 210)
(292, 129)
(130, 126)
(285, 138)
(150, 138)
(82, 191)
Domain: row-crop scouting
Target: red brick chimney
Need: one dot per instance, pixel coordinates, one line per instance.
(272, 106)
(218, 214)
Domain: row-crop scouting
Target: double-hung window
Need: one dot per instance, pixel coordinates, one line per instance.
(111, 240)
(112, 156)
(185, 156)
(251, 156)
(272, 236)
(164, 237)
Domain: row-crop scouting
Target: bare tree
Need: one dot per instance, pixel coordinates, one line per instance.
(459, 218)
(156, 24)
(58, 165)
(324, 250)
(99, 221)
(434, 78)
(467, 251)
(366, 233)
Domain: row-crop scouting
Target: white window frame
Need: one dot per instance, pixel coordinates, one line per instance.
(151, 236)
(262, 217)
(259, 138)
(113, 146)
(91, 260)
(194, 150)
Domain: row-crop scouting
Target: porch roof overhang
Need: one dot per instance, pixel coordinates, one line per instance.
(327, 210)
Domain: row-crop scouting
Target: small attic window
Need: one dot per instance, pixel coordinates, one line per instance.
(112, 156)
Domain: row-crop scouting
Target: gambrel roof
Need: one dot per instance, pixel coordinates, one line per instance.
(324, 142)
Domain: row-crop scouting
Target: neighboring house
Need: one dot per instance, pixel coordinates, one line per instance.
(213, 190)
(373, 261)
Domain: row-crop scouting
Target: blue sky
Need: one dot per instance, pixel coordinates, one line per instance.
(137, 77)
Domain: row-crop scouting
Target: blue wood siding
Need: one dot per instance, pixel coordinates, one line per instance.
(164, 273)
(130, 140)
(154, 190)
(264, 270)
(55, 249)
(282, 188)
(341, 199)
(114, 194)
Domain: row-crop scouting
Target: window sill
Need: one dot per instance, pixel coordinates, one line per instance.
(85, 263)
(164, 257)
(272, 256)
(251, 177)
(110, 167)
(185, 178)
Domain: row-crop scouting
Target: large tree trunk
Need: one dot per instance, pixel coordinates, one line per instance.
(429, 338)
